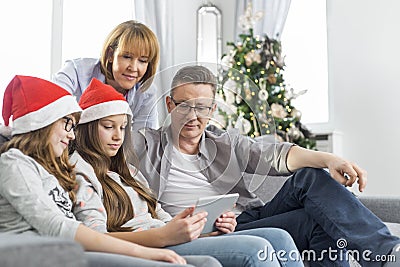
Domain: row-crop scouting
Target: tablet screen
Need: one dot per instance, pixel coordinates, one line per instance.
(215, 206)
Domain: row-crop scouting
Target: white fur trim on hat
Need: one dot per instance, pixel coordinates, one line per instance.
(105, 109)
(46, 115)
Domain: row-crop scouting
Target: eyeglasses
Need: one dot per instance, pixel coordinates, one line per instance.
(69, 124)
(183, 108)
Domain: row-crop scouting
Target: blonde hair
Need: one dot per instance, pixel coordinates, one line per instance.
(136, 38)
(36, 145)
(115, 199)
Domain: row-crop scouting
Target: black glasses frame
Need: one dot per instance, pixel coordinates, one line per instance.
(69, 124)
(195, 108)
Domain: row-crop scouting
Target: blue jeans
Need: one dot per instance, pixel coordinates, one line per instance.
(249, 248)
(322, 215)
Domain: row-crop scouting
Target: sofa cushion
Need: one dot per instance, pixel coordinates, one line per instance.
(32, 250)
(394, 228)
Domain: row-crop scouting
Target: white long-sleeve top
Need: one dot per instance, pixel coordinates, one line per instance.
(89, 207)
(32, 200)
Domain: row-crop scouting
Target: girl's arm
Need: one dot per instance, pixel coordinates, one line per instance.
(183, 228)
(90, 210)
(94, 241)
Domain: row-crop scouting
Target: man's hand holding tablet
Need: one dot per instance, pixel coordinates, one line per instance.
(215, 206)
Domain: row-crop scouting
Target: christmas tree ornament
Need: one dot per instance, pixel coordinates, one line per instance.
(267, 65)
(247, 93)
(251, 57)
(248, 20)
(263, 95)
(255, 133)
(291, 94)
(243, 125)
(296, 113)
(271, 79)
(278, 111)
(229, 97)
(295, 133)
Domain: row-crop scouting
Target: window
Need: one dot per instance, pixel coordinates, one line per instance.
(304, 43)
(25, 40)
(86, 25)
(27, 36)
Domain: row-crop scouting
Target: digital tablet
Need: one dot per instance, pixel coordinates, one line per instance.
(215, 206)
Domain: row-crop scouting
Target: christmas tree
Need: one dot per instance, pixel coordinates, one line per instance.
(253, 91)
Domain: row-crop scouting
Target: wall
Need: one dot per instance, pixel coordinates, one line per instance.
(185, 13)
(363, 45)
(363, 51)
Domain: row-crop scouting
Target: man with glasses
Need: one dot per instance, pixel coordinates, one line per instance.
(185, 161)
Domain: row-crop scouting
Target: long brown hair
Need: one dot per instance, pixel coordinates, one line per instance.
(136, 38)
(36, 144)
(116, 201)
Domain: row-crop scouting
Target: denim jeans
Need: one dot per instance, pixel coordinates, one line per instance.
(323, 216)
(256, 247)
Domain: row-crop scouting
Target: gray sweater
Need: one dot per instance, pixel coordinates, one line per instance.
(32, 200)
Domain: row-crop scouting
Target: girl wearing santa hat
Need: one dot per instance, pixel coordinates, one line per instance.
(37, 182)
(128, 62)
(114, 197)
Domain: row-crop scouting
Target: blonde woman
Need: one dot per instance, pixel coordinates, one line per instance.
(129, 58)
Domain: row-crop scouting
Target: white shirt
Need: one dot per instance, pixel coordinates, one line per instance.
(185, 173)
(89, 207)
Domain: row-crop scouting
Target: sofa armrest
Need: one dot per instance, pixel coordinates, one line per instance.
(34, 250)
(386, 208)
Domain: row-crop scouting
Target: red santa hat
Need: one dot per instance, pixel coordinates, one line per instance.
(100, 100)
(34, 103)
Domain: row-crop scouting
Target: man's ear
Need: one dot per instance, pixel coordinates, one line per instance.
(214, 107)
(169, 103)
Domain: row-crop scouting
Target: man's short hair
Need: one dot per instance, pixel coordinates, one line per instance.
(194, 75)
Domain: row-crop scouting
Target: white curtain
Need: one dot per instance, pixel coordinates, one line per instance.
(157, 16)
(273, 20)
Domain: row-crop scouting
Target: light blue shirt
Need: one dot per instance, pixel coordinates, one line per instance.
(76, 75)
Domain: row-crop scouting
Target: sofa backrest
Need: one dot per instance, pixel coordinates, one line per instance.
(3, 139)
